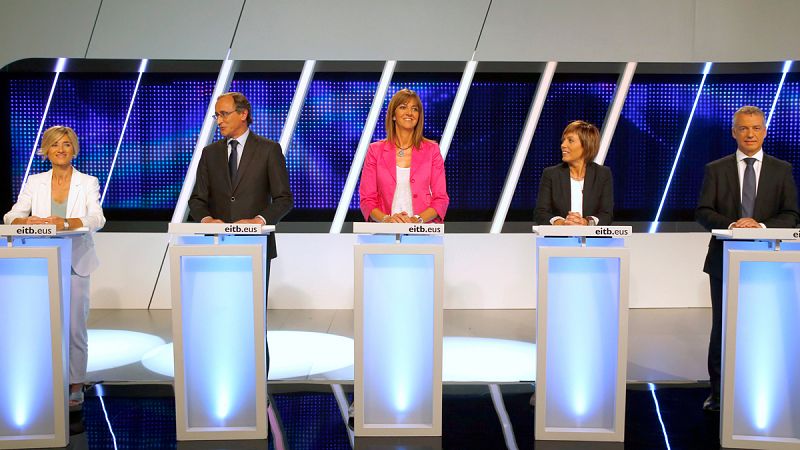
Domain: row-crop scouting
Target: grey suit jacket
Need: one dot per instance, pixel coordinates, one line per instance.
(554, 197)
(720, 201)
(261, 186)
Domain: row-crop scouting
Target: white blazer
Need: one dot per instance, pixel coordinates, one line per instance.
(83, 203)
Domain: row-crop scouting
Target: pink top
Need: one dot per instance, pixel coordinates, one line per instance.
(378, 179)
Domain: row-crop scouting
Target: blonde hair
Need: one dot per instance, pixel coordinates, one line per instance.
(400, 97)
(589, 136)
(53, 135)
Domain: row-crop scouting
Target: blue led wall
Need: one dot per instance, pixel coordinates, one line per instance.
(484, 143)
(570, 98)
(170, 108)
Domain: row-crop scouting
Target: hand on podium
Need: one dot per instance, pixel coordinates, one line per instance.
(746, 222)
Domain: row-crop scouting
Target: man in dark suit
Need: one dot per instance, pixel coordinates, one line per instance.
(241, 178)
(748, 189)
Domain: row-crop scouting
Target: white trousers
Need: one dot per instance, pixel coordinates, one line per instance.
(78, 335)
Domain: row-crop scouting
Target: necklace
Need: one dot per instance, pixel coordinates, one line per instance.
(402, 151)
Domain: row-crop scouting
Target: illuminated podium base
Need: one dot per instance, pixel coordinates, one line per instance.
(219, 331)
(760, 404)
(582, 333)
(398, 332)
(34, 337)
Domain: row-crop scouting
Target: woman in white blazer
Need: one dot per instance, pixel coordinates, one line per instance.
(69, 199)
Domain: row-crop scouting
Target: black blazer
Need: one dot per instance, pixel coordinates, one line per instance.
(261, 186)
(554, 197)
(720, 201)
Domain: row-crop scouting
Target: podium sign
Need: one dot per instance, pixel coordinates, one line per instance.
(761, 339)
(34, 370)
(582, 335)
(398, 335)
(219, 331)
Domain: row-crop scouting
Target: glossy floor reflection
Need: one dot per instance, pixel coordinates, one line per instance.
(143, 417)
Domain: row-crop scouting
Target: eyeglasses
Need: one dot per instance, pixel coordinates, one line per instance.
(223, 114)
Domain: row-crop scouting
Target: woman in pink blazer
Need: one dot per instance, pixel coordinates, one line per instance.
(68, 199)
(403, 179)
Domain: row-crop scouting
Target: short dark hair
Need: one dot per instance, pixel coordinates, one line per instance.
(241, 103)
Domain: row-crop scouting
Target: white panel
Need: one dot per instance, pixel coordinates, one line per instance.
(115, 285)
(746, 30)
(316, 271)
(579, 30)
(359, 30)
(45, 28)
(156, 29)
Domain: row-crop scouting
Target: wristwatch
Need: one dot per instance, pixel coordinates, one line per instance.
(66, 224)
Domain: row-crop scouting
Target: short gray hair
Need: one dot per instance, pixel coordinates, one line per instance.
(747, 110)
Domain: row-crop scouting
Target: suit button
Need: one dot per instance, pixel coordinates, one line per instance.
(233, 199)
(412, 180)
(415, 195)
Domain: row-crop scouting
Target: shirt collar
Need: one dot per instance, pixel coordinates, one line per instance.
(241, 139)
(759, 156)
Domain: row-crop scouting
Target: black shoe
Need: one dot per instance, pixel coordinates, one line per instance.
(711, 403)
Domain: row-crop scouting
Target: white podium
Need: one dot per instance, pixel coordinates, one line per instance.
(35, 264)
(760, 404)
(219, 329)
(582, 332)
(399, 291)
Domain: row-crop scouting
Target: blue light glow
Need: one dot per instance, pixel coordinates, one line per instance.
(219, 361)
(654, 224)
(398, 339)
(26, 367)
(767, 343)
(223, 402)
(582, 341)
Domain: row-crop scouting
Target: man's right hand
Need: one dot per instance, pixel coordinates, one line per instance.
(209, 219)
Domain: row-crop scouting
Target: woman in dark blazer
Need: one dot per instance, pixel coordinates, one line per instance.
(578, 191)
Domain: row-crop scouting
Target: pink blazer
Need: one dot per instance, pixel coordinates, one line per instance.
(379, 178)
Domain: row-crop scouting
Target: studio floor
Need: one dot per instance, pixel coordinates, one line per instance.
(488, 368)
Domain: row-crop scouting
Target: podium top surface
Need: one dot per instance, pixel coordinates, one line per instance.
(39, 231)
(582, 231)
(220, 228)
(782, 234)
(397, 228)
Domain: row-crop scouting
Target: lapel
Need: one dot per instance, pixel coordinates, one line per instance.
(588, 183)
(45, 196)
(248, 153)
(75, 192)
(416, 159)
(564, 188)
(764, 188)
(390, 161)
(731, 174)
(220, 157)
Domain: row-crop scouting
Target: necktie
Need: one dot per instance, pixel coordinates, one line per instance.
(232, 160)
(749, 188)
